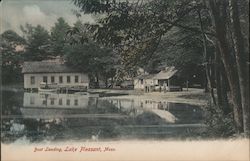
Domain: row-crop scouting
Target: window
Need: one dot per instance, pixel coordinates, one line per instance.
(52, 79)
(52, 102)
(60, 79)
(76, 102)
(141, 81)
(60, 101)
(76, 79)
(32, 80)
(32, 100)
(44, 102)
(68, 101)
(45, 79)
(68, 79)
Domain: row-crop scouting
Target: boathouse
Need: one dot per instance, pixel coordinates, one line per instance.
(166, 80)
(145, 82)
(55, 74)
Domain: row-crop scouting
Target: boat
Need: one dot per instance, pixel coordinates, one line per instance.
(47, 90)
(81, 93)
(87, 94)
(44, 87)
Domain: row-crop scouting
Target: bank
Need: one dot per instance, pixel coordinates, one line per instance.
(192, 96)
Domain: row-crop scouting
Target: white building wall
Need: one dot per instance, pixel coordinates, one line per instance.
(83, 79)
(137, 84)
(146, 82)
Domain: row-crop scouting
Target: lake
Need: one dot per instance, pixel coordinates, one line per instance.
(37, 117)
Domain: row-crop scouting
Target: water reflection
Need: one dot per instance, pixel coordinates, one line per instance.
(38, 117)
(54, 100)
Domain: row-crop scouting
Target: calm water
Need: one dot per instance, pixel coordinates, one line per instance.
(56, 117)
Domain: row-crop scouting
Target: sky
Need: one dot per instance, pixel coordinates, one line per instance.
(14, 13)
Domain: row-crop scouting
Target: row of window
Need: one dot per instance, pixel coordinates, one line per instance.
(52, 79)
(52, 102)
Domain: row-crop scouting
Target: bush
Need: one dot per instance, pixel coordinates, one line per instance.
(218, 123)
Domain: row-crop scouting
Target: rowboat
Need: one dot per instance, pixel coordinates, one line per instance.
(47, 89)
(44, 87)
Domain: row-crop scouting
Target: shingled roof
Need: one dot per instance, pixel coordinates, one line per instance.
(145, 76)
(46, 67)
(167, 73)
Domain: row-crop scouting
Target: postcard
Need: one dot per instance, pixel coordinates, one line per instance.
(124, 80)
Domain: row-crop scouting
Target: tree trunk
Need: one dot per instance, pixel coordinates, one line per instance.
(221, 83)
(218, 78)
(241, 60)
(106, 82)
(205, 83)
(224, 90)
(97, 80)
(207, 61)
(112, 82)
(232, 75)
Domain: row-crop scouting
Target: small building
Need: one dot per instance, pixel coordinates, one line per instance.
(145, 82)
(55, 74)
(166, 80)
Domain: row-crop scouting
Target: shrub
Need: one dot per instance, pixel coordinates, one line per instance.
(218, 123)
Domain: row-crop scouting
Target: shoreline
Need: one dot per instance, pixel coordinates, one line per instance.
(193, 96)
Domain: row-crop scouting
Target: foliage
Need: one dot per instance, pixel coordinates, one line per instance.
(12, 59)
(37, 42)
(218, 123)
(58, 36)
(96, 60)
(92, 59)
(141, 31)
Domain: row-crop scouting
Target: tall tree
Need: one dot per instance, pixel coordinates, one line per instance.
(11, 46)
(98, 61)
(58, 36)
(38, 42)
(219, 12)
(242, 58)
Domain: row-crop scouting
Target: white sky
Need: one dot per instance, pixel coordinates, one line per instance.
(14, 13)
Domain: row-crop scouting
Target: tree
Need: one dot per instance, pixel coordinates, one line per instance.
(241, 59)
(96, 60)
(11, 47)
(38, 43)
(219, 15)
(137, 28)
(58, 36)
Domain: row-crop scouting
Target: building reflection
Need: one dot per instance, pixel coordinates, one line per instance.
(54, 100)
(75, 105)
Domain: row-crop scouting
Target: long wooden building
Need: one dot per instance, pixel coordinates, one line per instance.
(55, 74)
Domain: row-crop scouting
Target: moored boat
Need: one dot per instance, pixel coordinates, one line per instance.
(44, 87)
(47, 89)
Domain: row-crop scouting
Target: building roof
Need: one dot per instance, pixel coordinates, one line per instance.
(167, 73)
(145, 76)
(46, 67)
